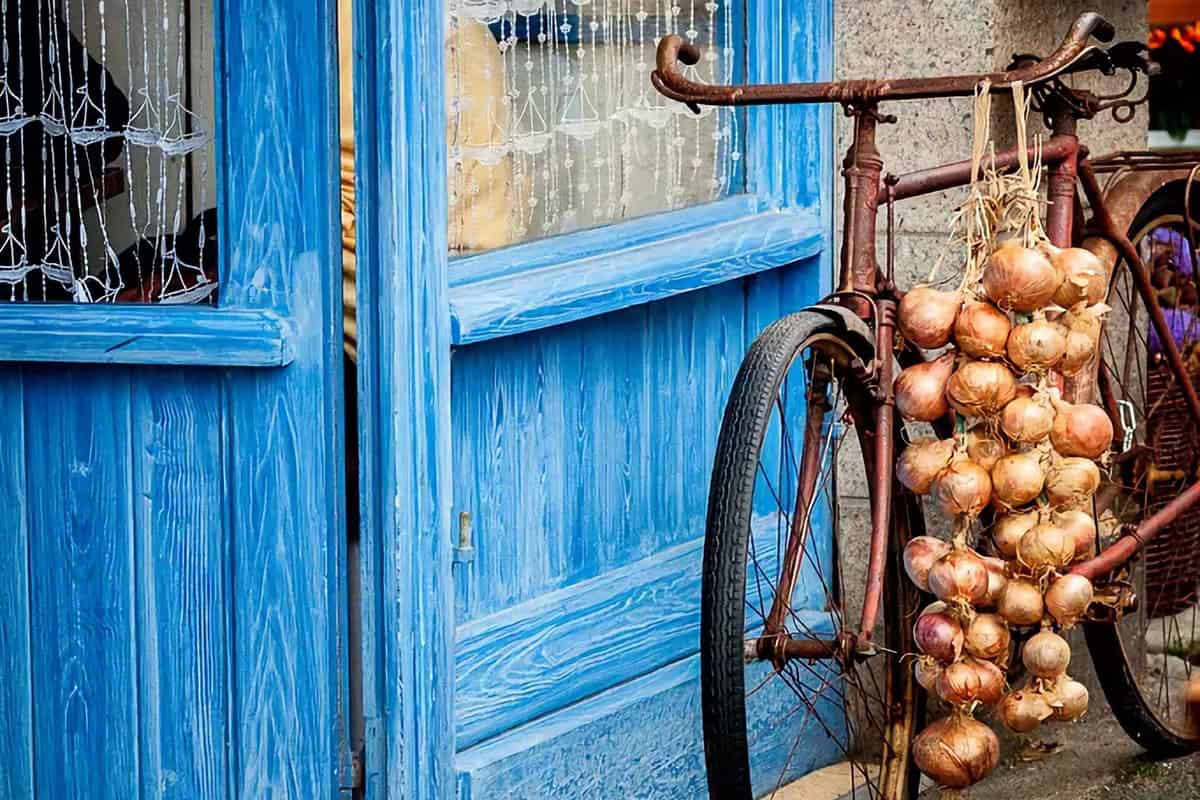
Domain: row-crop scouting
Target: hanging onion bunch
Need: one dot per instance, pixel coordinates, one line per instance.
(1026, 314)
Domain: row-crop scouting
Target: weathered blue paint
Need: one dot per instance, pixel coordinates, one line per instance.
(639, 739)
(182, 335)
(404, 391)
(173, 552)
(588, 384)
(674, 263)
(585, 409)
(16, 689)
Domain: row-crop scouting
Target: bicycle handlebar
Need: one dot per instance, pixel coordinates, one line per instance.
(672, 51)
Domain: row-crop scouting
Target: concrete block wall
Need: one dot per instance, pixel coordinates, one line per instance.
(909, 38)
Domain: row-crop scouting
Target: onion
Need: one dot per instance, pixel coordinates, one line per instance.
(1023, 711)
(1037, 345)
(969, 680)
(921, 389)
(927, 669)
(956, 751)
(981, 388)
(984, 448)
(1083, 276)
(1017, 278)
(1009, 530)
(987, 637)
(1081, 429)
(927, 316)
(1072, 481)
(1069, 699)
(981, 330)
(1027, 420)
(1082, 529)
(1068, 599)
(919, 555)
(992, 680)
(1086, 319)
(1077, 354)
(963, 488)
(1046, 546)
(939, 635)
(1021, 602)
(996, 580)
(921, 462)
(1083, 325)
(960, 576)
(1046, 655)
(1017, 479)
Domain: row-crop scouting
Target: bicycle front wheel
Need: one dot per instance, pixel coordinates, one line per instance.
(777, 706)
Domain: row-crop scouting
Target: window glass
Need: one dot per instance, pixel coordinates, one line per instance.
(106, 112)
(554, 125)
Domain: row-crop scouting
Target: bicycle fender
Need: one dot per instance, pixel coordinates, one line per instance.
(851, 324)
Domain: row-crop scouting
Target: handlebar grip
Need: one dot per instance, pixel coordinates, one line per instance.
(673, 49)
(1099, 27)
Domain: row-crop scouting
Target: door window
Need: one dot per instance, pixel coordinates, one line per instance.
(106, 144)
(554, 126)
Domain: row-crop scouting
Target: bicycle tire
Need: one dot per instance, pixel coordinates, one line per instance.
(735, 472)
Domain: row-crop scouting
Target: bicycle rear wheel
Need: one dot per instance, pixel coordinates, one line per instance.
(1145, 660)
(771, 715)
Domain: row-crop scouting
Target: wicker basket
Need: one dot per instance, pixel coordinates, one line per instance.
(1172, 560)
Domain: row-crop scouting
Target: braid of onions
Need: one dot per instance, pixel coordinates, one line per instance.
(1025, 316)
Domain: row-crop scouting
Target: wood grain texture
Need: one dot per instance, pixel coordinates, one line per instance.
(183, 606)
(544, 654)
(107, 334)
(641, 739)
(405, 393)
(16, 683)
(590, 242)
(626, 276)
(284, 494)
(184, 610)
(82, 590)
(585, 447)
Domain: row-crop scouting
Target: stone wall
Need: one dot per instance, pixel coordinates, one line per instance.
(910, 38)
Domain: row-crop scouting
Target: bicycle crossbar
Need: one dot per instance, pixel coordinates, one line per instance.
(951, 176)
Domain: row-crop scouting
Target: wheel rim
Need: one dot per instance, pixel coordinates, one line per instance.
(1161, 634)
(795, 705)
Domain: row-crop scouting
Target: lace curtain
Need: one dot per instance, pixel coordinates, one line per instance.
(108, 186)
(554, 125)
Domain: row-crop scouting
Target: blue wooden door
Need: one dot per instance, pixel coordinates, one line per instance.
(171, 614)
(539, 525)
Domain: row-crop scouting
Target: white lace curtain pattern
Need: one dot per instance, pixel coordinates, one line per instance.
(107, 178)
(554, 125)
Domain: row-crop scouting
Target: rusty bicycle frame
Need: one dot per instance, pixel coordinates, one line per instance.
(873, 296)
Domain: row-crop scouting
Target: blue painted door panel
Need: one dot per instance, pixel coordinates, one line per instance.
(166, 631)
(583, 455)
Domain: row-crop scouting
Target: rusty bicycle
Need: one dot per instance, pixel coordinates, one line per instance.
(797, 639)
